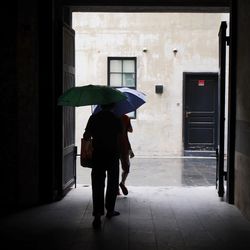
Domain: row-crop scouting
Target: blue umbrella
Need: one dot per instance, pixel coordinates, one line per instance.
(134, 100)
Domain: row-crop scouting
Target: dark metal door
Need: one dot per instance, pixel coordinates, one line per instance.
(69, 149)
(200, 111)
(220, 173)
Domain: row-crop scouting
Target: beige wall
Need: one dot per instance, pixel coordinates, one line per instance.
(158, 127)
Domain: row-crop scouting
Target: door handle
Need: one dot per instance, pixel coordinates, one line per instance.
(187, 113)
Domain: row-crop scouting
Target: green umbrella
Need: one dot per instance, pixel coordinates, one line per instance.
(90, 95)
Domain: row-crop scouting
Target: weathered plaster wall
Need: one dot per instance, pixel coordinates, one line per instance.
(242, 157)
(158, 126)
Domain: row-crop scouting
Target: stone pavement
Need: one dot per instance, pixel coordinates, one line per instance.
(164, 172)
(152, 218)
(173, 207)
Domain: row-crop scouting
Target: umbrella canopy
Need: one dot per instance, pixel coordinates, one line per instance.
(133, 101)
(90, 95)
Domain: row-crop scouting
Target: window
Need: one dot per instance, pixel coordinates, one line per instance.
(122, 73)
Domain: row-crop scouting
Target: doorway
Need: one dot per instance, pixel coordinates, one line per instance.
(163, 111)
(200, 107)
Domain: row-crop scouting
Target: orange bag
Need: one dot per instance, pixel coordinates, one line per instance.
(86, 153)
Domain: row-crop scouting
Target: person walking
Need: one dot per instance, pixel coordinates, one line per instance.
(126, 152)
(105, 129)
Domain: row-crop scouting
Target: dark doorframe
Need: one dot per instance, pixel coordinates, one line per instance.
(153, 7)
(220, 172)
(232, 102)
(50, 117)
(69, 149)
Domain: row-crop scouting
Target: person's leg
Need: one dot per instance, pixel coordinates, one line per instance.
(98, 184)
(125, 171)
(124, 177)
(112, 187)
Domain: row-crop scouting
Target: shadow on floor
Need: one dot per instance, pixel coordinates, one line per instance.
(186, 215)
(152, 218)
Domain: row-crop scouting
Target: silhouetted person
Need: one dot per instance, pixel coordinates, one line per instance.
(105, 129)
(126, 152)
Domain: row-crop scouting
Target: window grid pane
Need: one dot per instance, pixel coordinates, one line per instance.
(128, 80)
(115, 79)
(115, 66)
(128, 66)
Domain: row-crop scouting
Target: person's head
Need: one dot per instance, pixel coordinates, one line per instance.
(108, 106)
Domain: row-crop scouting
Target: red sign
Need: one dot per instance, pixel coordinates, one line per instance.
(201, 82)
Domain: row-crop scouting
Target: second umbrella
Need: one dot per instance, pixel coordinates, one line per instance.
(134, 100)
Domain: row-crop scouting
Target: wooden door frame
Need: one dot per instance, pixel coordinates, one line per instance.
(60, 188)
